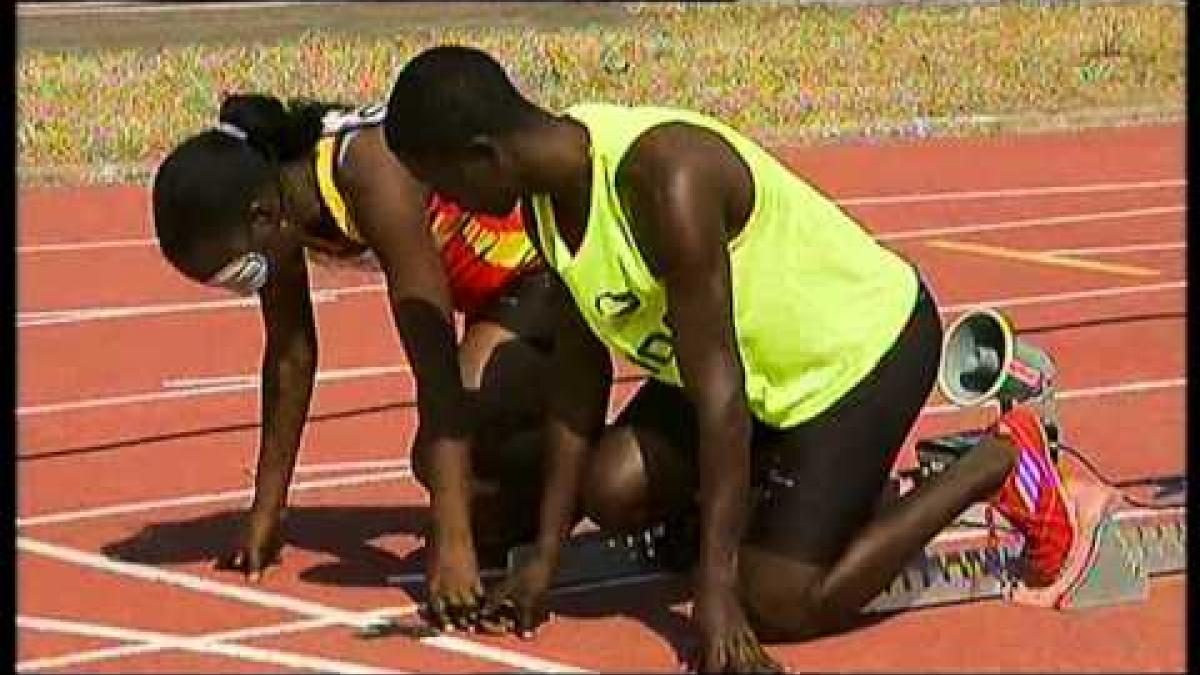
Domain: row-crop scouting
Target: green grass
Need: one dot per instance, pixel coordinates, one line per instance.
(777, 71)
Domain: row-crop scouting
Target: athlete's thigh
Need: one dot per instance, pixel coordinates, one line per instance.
(656, 430)
(820, 481)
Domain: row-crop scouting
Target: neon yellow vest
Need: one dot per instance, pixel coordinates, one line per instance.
(817, 301)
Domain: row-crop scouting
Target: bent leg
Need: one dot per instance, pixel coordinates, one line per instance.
(503, 358)
(640, 472)
(818, 549)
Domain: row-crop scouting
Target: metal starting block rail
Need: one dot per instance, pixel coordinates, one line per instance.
(960, 565)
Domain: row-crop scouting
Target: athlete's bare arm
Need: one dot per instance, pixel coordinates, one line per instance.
(576, 405)
(687, 193)
(388, 205)
(288, 370)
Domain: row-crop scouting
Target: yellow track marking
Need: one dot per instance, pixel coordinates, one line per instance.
(1044, 258)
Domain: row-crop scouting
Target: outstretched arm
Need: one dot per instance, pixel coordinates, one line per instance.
(577, 403)
(389, 208)
(288, 370)
(687, 191)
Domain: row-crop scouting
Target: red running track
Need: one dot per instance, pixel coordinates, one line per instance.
(129, 475)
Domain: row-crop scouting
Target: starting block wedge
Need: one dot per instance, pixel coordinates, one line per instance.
(592, 557)
(962, 564)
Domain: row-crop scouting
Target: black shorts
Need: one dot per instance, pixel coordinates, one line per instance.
(526, 307)
(816, 484)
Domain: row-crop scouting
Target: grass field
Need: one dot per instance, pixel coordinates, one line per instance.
(782, 72)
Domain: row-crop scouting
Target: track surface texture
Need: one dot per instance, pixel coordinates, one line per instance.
(137, 414)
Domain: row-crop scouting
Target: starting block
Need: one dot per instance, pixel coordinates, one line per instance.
(964, 563)
(593, 557)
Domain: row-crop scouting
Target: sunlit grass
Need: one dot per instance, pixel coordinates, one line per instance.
(772, 70)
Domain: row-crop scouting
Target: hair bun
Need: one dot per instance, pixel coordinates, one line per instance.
(262, 117)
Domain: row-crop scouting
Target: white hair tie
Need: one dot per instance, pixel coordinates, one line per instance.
(232, 130)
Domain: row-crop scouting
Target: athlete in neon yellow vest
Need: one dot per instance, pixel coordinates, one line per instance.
(789, 355)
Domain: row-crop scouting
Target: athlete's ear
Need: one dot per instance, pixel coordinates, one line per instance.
(265, 218)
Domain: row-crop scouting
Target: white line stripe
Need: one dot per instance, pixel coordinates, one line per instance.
(131, 399)
(33, 319)
(354, 479)
(240, 383)
(252, 381)
(79, 315)
(208, 498)
(1012, 192)
(176, 389)
(364, 465)
(923, 233)
(168, 641)
(1071, 296)
(238, 634)
(907, 198)
(276, 601)
(1117, 250)
(1089, 392)
(70, 247)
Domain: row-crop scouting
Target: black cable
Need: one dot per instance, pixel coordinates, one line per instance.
(1109, 482)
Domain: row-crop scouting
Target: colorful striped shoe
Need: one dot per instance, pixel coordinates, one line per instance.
(1034, 500)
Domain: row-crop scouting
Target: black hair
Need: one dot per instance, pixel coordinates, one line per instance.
(203, 189)
(447, 95)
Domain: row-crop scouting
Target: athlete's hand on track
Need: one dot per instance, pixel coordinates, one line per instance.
(258, 549)
(454, 589)
(727, 644)
(517, 604)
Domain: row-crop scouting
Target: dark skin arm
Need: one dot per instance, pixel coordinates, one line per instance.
(288, 371)
(388, 206)
(688, 193)
(577, 403)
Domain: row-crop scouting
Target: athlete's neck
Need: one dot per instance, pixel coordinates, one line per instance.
(301, 194)
(554, 158)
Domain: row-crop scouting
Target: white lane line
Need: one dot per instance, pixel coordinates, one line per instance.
(71, 247)
(33, 319)
(189, 387)
(906, 198)
(78, 315)
(163, 641)
(236, 635)
(243, 494)
(928, 232)
(363, 465)
(131, 399)
(270, 600)
(918, 197)
(375, 476)
(225, 384)
(1118, 250)
(1087, 392)
(252, 381)
(1070, 296)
